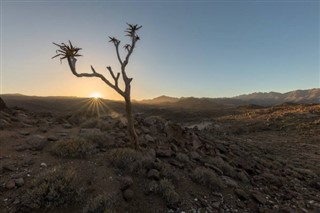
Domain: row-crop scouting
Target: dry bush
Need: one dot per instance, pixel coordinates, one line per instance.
(168, 172)
(100, 204)
(74, 147)
(90, 123)
(224, 167)
(207, 178)
(125, 159)
(101, 139)
(183, 158)
(167, 192)
(128, 160)
(53, 188)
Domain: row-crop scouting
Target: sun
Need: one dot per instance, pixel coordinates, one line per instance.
(95, 95)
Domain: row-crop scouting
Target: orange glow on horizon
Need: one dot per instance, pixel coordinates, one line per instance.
(95, 95)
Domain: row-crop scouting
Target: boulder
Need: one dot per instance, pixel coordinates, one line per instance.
(125, 182)
(164, 152)
(19, 182)
(37, 142)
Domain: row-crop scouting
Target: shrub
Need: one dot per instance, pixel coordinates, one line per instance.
(183, 158)
(207, 178)
(224, 167)
(74, 147)
(167, 192)
(52, 188)
(168, 172)
(90, 123)
(100, 204)
(125, 159)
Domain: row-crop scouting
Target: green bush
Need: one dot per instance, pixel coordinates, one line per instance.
(74, 147)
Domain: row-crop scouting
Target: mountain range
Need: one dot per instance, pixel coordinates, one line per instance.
(257, 98)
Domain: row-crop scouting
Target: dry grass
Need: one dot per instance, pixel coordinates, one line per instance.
(168, 172)
(183, 158)
(90, 123)
(224, 167)
(167, 192)
(74, 147)
(53, 188)
(100, 204)
(125, 159)
(207, 178)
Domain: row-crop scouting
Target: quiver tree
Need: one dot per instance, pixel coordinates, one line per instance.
(70, 52)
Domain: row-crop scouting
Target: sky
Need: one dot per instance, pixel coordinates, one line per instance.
(187, 48)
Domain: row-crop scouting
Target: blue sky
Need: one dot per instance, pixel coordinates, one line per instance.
(187, 48)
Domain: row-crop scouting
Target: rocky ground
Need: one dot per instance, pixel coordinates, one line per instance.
(257, 160)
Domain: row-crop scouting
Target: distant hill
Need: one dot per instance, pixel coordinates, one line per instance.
(271, 98)
(254, 100)
(257, 98)
(160, 100)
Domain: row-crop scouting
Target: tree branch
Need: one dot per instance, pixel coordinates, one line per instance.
(115, 78)
(72, 64)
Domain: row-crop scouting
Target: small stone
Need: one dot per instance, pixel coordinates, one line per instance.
(128, 194)
(20, 148)
(10, 184)
(67, 126)
(258, 196)
(19, 182)
(43, 164)
(194, 155)
(149, 138)
(241, 194)
(9, 168)
(36, 142)
(125, 182)
(25, 133)
(154, 174)
(52, 138)
(164, 152)
(229, 182)
(216, 205)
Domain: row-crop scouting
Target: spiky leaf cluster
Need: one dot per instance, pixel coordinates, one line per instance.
(66, 51)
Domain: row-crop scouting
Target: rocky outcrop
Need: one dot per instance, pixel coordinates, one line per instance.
(3, 105)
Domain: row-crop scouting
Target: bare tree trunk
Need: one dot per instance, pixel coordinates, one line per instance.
(131, 130)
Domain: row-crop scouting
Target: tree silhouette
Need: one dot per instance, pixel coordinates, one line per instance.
(70, 52)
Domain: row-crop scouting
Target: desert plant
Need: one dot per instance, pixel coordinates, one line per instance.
(167, 192)
(168, 172)
(52, 188)
(70, 53)
(224, 166)
(74, 147)
(207, 178)
(90, 123)
(100, 204)
(124, 159)
(183, 158)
